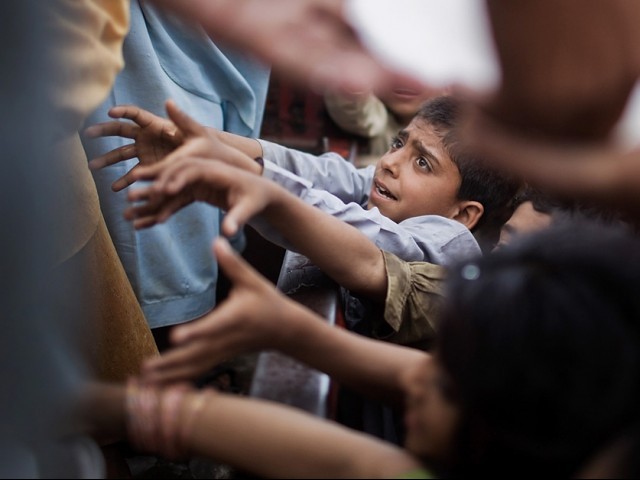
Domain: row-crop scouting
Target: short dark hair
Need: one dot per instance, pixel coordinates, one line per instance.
(542, 344)
(542, 202)
(493, 189)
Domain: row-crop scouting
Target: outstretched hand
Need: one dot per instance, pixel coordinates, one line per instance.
(248, 320)
(159, 141)
(186, 180)
(154, 138)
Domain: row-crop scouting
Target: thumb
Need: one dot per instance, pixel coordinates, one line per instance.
(235, 268)
(187, 125)
(239, 214)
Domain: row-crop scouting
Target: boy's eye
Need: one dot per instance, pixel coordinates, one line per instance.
(423, 163)
(396, 143)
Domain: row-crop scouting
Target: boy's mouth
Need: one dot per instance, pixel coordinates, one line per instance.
(383, 192)
(405, 92)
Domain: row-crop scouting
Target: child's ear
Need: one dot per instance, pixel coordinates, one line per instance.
(469, 213)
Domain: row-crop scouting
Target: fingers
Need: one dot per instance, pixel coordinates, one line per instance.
(139, 172)
(241, 274)
(239, 214)
(112, 129)
(180, 363)
(184, 122)
(120, 154)
(136, 114)
(153, 206)
(233, 265)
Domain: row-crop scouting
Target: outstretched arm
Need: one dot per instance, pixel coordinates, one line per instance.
(310, 42)
(243, 323)
(264, 438)
(600, 173)
(339, 249)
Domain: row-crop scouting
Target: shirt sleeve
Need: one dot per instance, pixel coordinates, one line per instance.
(329, 172)
(427, 238)
(413, 302)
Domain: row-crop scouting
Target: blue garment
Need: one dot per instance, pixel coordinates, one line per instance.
(170, 266)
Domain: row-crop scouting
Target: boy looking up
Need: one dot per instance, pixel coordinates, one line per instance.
(421, 201)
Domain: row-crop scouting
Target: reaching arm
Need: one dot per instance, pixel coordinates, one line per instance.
(242, 324)
(264, 438)
(339, 249)
(310, 42)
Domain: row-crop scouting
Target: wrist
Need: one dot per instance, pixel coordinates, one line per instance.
(260, 165)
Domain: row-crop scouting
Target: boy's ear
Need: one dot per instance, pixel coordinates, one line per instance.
(469, 213)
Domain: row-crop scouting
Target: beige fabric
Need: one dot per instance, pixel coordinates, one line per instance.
(413, 303)
(88, 37)
(365, 116)
(124, 338)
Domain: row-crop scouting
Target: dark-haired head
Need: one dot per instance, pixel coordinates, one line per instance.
(481, 183)
(541, 341)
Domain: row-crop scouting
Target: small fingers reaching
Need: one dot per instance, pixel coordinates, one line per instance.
(112, 129)
(120, 154)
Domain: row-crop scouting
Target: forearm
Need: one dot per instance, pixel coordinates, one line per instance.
(337, 248)
(249, 146)
(372, 367)
(275, 441)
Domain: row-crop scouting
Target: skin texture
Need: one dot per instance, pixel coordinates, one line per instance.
(405, 101)
(308, 42)
(566, 78)
(283, 441)
(416, 163)
(421, 178)
(431, 419)
(596, 172)
(242, 324)
(525, 219)
(345, 254)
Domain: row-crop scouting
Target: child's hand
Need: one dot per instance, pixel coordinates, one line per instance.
(250, 319)
(154, 138)
(206, 143)
(186, 180)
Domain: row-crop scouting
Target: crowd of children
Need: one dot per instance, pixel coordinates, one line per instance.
(487, 260)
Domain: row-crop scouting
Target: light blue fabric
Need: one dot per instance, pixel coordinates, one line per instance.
(170, 266)
(342, 190)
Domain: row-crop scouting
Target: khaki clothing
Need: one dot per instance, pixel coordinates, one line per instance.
(367, 117)
(413, 303)
(88, 53)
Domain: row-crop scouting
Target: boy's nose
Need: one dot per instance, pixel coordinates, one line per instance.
(391, 162)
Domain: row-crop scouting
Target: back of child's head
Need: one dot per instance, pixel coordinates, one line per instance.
(542, 343)
(479, 182)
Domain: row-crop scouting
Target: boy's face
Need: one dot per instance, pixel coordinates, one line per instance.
(416, 176)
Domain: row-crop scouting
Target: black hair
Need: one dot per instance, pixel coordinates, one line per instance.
(541, 202)
(541, 341)
(481, 183)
